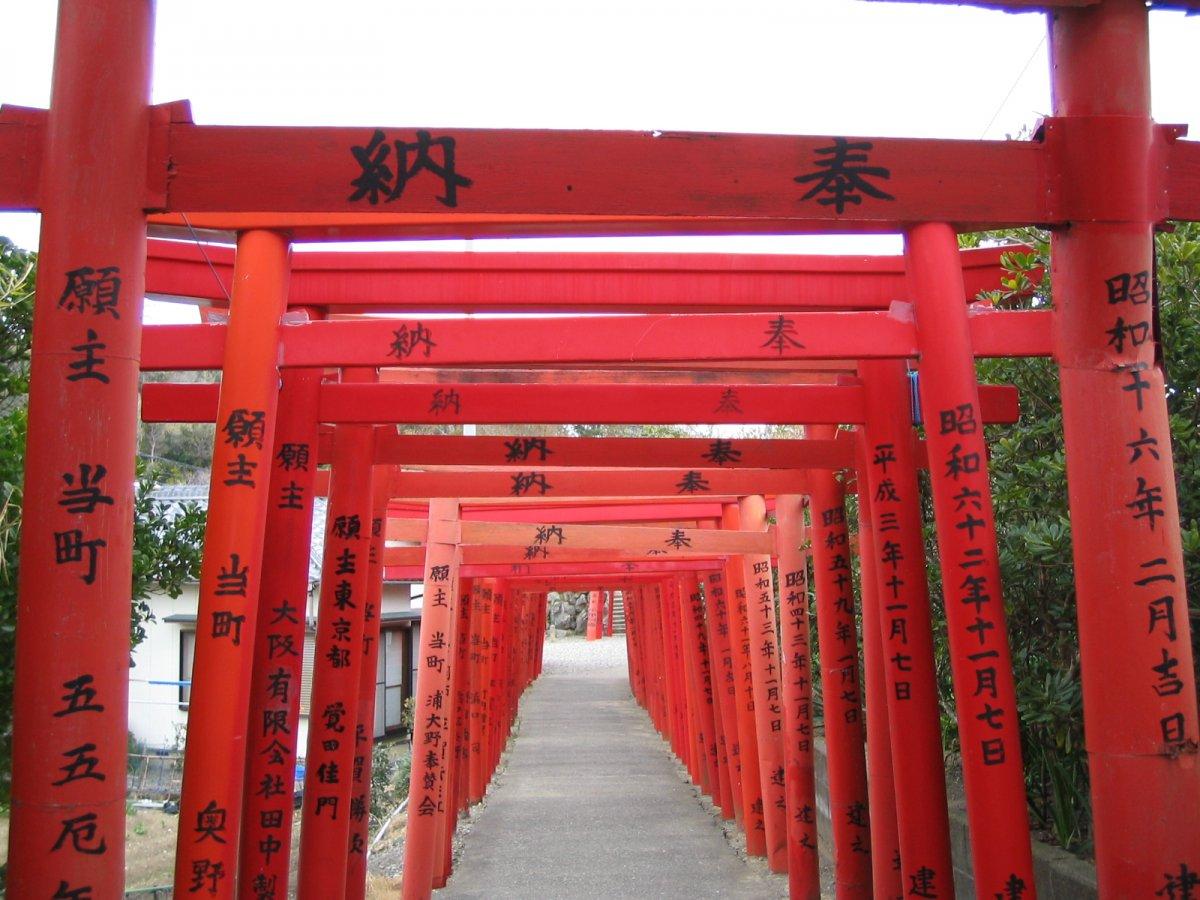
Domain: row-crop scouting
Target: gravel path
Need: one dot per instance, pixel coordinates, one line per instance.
(576, 654)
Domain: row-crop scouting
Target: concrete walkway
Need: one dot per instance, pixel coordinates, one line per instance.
(590, 804)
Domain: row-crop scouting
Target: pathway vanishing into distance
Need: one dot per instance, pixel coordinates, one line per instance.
(590, 803)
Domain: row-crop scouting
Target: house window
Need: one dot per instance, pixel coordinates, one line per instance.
(187, 654)
(307, 663)
(390, 680)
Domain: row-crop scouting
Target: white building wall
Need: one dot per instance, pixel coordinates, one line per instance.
(156, 716)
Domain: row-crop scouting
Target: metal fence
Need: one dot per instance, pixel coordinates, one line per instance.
(154, 776)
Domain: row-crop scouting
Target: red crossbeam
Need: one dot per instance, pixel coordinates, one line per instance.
(22, 135)
(451, 450)
(682, 511)
(590, 173)
(565, 403)
(567, 574)
(589, 182)
(581, 559)
(603, 339)
(562, 540)
(624, 483)
(585, 282)
(730, 184)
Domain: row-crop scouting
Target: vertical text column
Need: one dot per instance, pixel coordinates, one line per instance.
(442, 555)
(912, 699)
(214, 766)
(70, 707)
(795, 657)
(980, 661)
(1139, 689)
(274, 720)
(337, 664)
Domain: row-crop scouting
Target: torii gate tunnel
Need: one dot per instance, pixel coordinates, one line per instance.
(678, 528)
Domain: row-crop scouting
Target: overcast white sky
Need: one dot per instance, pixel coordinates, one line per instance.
(798, 67)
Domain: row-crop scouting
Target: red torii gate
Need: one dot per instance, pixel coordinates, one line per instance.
(624, 485)
(81, 401)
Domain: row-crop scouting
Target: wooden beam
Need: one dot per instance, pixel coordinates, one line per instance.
(404, 556)
(545, 183)
(518, 451)
(585, 282)
(568, 340)
(22, 134)
(834, 182)
(664, 483)
(613, 574)
(553, 538)
(682, 510)
(676, 372)
(570, 404)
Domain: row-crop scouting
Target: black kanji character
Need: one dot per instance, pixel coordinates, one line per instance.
(780, 333)
(841, 173)
(90, 364)
(86, 495)
(96, 289)
(691, 483)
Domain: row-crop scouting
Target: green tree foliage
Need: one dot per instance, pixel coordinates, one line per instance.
(1028, 467)
(167, 542)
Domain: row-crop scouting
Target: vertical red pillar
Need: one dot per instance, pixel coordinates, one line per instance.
(364, 731)
(447, 818)
(214, 765)
(656, 658)
(337, 665)
(913, 712)
(474, 770)
(725, 688)
(274, 718)
(633, 653)
(981, 664)
(633, 658)
(612, 605)
(837, 639)
(480, 688)
(652, 656)
(804, 878)
(496, 695)
(595, 602)
(689, 645)
(683, 680)
(1139, 690)
(526, 645)
(442, 556)
(662, 661)
(739, 645)
(646, 654)
(885, 839)
(541, 633)
(679, 675)
(70, 697)
(662, 625)
(697, 641)
(767, 679)
(462, 693)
